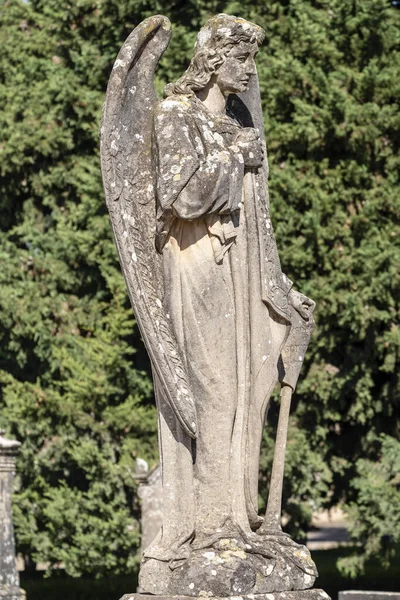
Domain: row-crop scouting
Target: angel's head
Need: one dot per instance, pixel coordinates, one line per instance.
(225, 50)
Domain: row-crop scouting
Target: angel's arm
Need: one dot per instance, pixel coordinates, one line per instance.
(190, 180)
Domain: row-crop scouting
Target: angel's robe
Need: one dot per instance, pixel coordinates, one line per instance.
(227, 300)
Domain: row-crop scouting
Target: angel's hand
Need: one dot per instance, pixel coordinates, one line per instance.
(250, 144)
(304, 306)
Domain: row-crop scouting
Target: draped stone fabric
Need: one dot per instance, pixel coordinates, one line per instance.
(231, 339)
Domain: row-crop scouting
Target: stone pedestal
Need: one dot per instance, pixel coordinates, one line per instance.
(295, 595)
(9, 579)
(365, 595)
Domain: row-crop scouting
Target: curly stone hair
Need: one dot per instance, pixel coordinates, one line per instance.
(213, 44)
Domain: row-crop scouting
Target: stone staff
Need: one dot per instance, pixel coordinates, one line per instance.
(290, 366)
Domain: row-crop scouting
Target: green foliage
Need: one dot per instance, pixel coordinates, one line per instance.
(376, 514)
(330, 89)
(71, 386)
(72, 380)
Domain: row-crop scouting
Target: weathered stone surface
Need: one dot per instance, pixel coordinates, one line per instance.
(150, 493)
(229, 568)
(365, 595)
(8, 592)
(9, 579)
(186, 183)
(314, 594)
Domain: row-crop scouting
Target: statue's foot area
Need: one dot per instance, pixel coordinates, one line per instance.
(230, 570)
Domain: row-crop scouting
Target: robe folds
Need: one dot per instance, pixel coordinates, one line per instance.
(227, 300)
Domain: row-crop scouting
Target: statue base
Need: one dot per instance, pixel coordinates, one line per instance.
(313, 594)
(251, 565)
(12, 592)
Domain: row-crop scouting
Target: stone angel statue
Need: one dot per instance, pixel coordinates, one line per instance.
(185, 179)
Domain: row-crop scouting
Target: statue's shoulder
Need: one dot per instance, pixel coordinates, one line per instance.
(175, 104)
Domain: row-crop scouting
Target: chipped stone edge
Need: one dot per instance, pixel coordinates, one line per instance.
(314, 594)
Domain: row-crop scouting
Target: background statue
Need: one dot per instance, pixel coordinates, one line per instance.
(186, 187)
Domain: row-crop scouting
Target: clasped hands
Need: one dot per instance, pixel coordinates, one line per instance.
(249, 142)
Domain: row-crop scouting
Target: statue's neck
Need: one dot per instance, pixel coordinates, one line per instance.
(213, 99)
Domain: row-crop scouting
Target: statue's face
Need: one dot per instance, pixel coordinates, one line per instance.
(234, 74)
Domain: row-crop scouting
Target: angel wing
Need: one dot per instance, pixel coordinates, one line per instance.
(126, 162)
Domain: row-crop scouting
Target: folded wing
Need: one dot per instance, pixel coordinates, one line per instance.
(128, 178)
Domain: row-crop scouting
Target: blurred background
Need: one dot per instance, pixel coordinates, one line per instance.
(75, 383)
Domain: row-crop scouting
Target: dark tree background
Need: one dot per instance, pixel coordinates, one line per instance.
(74, 378)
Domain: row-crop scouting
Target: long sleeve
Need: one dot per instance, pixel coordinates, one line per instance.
(197, 173)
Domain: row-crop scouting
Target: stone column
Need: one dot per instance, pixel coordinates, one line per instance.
(151, 494)
(9, 578)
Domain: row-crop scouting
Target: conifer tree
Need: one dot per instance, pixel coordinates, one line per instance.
(74, 379)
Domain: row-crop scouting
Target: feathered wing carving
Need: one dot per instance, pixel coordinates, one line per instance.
(128, 178)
